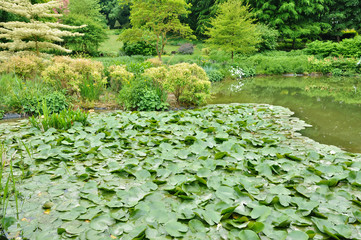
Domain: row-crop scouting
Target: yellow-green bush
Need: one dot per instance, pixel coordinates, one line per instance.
(157, 74)
(188, 82)
(119, 76)
(70, 74)
(155, 62)
(27, 66)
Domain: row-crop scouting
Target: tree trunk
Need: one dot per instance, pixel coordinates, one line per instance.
(293, 43)
(232, 55)
(158, 52)
(338, 38)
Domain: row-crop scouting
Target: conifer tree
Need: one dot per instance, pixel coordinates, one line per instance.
(233, 29)
(38, 32)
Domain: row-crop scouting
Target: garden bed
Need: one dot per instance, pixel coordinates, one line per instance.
(238, 171)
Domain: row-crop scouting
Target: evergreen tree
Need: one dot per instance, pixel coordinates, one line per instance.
(293, 19)
(233, 28)
(38, 32)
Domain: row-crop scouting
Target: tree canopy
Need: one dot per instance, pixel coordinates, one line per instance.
(156, 22)
(292, 18)
(38, 32)
(233, 28)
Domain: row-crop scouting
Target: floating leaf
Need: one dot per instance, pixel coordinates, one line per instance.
(175, 229)
(248, 235)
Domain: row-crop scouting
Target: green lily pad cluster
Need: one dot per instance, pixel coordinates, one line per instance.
(238, 171)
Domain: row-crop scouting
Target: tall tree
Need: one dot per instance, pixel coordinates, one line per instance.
(156, 22)
(342, 15)
(116, 13)
(36, 33)
(86, 12)
(233, 28)
(293, 18)
(200, 16)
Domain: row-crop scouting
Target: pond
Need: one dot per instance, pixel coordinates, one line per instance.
(331, 105)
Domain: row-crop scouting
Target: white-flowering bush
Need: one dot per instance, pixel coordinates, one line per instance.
(37, 33)
(237, 72)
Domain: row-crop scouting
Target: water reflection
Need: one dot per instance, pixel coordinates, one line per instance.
(331, 105)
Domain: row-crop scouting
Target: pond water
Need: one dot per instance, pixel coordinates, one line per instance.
(331, 105)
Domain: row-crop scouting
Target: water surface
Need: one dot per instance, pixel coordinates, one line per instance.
(331, 105)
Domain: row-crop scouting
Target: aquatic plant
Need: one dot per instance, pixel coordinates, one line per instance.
(62, 120)
(228, 171)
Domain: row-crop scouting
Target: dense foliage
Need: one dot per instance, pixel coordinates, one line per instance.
(154, 21)
(231, 172)
(346, 48)
(139, 48)
(188, 82)
(37, 31)
(233, 29)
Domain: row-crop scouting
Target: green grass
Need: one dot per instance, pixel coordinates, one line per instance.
(111, 45)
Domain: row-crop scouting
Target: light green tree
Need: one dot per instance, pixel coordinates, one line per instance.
(233, 29)
(155, 22)
(38, 32)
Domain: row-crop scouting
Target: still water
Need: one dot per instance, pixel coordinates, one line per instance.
(331, 105)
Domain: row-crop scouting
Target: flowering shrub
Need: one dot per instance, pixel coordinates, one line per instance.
(27, 66)
(188, 82)
(119, 76)
(237, 72)
(70, 74)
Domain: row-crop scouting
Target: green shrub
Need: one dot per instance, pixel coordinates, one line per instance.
(74, 74)
(2, 114)
(269, 38)
(119, 76)
(328, 65)
(27, 66)
(139, 48)
(63, 120)
(138, 67)
(337, 72)
(188, 82)
(347, 66)
(55, 101)
(219, 56)
(215, 75)
(275, 62)
(349, 47)
(322, 49)
(142, 94)
(94, 34)
(16, 92)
